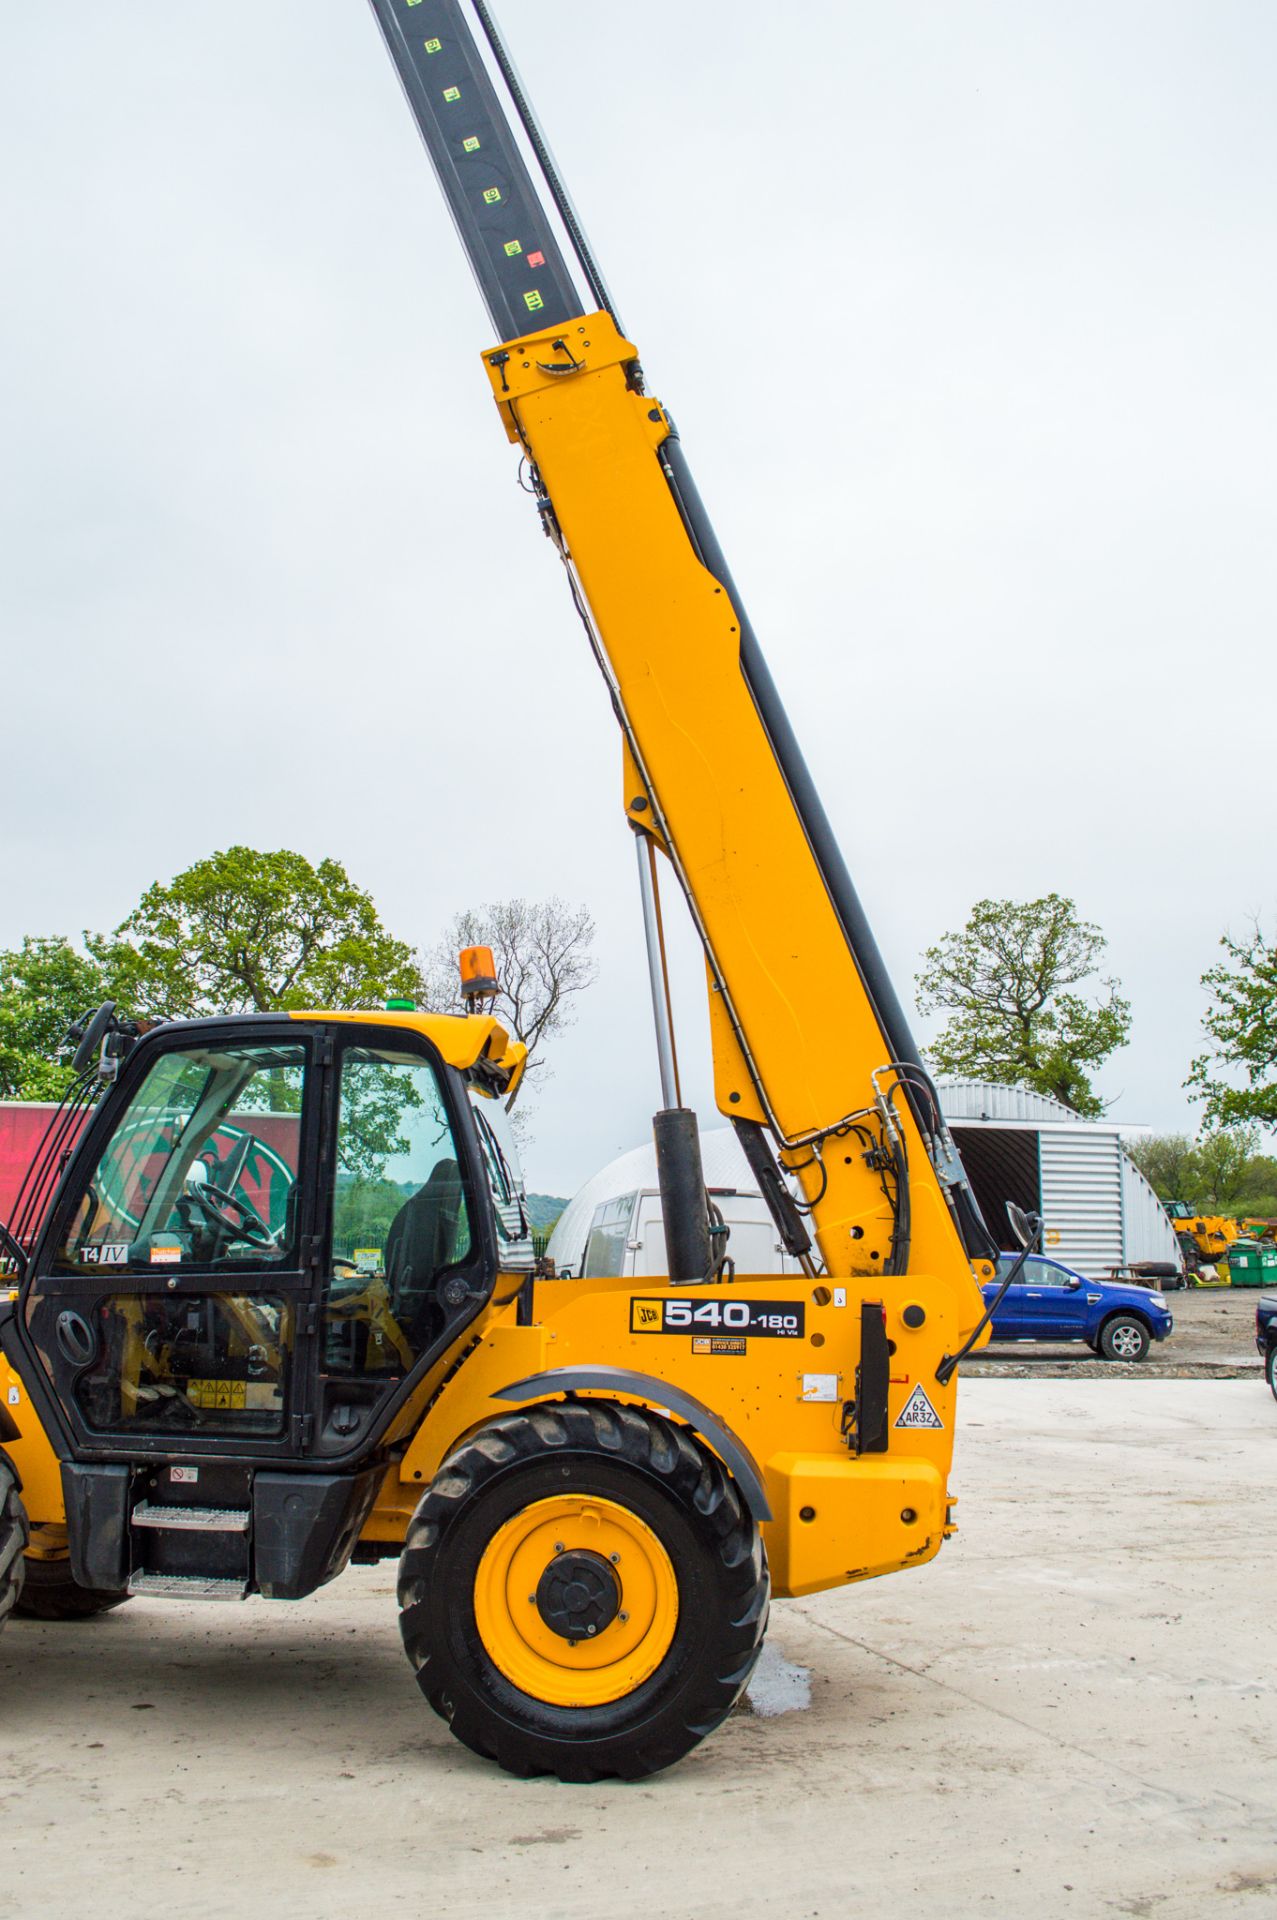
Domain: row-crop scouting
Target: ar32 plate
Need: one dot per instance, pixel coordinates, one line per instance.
(752, 1319)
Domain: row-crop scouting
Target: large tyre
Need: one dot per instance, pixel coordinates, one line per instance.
(1270, 1369)
(49, 1593)
(584, 1592)
(1124, 1338)
(14, 1534)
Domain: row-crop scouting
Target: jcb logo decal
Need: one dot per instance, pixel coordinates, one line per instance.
(645, 1316)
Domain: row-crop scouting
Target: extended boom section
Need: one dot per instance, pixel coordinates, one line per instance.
(798, 1043)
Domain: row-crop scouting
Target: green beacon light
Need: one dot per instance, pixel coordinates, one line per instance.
(401, 1006)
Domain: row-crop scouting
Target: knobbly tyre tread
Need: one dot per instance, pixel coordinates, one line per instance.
(49, 1593)
(486, 1712)
(14, 1534)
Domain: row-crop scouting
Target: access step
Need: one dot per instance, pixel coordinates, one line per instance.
(186, 1586)
(191, 1519)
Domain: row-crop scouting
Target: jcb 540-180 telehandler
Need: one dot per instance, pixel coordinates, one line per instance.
(273, 1305)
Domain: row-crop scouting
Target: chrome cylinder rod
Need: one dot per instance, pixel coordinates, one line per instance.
(656, 973)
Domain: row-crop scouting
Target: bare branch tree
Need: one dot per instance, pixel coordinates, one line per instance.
(543, 953)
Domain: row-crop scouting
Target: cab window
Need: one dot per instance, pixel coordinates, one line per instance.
(505, 1181)
(401, 1213)
(201, 1169)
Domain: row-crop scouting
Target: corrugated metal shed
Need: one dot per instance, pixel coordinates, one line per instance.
(986, 1100)
(1098, 1209)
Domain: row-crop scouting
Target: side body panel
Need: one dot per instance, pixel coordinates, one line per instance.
(32, 1453)
(835, 1516)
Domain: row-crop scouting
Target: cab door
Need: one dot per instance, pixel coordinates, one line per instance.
(170, 1300)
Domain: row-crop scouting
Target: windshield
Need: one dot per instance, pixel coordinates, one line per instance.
(505, 1180)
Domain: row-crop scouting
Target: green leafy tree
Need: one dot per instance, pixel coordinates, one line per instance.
(1224, 1161)
(1005, 981)
(1219, 1173)
(1170, 1164)
(251, 932)
(45, 984)
(1236, 1075)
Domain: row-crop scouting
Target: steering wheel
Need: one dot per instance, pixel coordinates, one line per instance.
(220, 1207)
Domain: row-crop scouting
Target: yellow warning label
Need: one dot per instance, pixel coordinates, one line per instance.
(452, 93)
(513, 246)
(492, 195)
(432, 46)
(533, 301)
(229, 1395)
(471, 145)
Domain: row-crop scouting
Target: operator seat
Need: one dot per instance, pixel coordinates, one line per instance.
(422, 1240)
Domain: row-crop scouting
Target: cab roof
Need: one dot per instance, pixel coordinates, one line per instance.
(463, 1039)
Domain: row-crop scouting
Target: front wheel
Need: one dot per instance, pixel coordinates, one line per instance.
(1270, 1369)
(1124, 1338)
(14, 1534)
(583, 1592)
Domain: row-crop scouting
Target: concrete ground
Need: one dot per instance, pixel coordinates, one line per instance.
(1072, 1712)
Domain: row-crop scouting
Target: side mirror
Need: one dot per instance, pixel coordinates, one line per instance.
(1073, 1283)
(89, 1033)
(1025, 1226)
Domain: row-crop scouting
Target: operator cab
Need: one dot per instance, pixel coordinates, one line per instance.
(271, 1227)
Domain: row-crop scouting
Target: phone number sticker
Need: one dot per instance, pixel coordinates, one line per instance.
(754, 1319)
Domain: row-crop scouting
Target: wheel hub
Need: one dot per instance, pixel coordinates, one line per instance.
(558, 1568)
(578, 1594)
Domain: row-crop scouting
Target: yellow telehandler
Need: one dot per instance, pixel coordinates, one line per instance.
(272, 1304)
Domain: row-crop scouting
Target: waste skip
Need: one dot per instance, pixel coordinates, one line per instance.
(1253, 1266)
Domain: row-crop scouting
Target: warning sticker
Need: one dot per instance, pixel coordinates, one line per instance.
(231, 1395)
(918, 1411)
(720, 1343)
(166, 1256)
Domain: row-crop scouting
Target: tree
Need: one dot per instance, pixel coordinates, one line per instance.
(1004, 982)
(1224, 1159)
(251, 932)
(1219, 1173)
(45, 984)
(1170, 1164)
(1241, 1029)
(543, 959)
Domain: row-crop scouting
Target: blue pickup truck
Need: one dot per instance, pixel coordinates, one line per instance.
(1051, 1302)
(1266, 1336)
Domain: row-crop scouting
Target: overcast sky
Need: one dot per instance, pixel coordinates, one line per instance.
(966, 313)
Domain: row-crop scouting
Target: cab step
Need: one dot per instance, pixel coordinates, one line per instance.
(186, 1586)
(191, 1519)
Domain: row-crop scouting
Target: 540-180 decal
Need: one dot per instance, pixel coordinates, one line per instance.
(758, 1319)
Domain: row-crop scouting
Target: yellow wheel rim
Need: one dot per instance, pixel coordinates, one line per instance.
(48, 1543)
(590, 1671)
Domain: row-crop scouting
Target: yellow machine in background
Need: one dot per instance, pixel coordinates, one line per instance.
(280, 1311)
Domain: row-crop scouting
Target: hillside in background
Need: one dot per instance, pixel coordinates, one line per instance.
(544, 1210)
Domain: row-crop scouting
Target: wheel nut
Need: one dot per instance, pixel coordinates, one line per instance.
(589, 1629)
